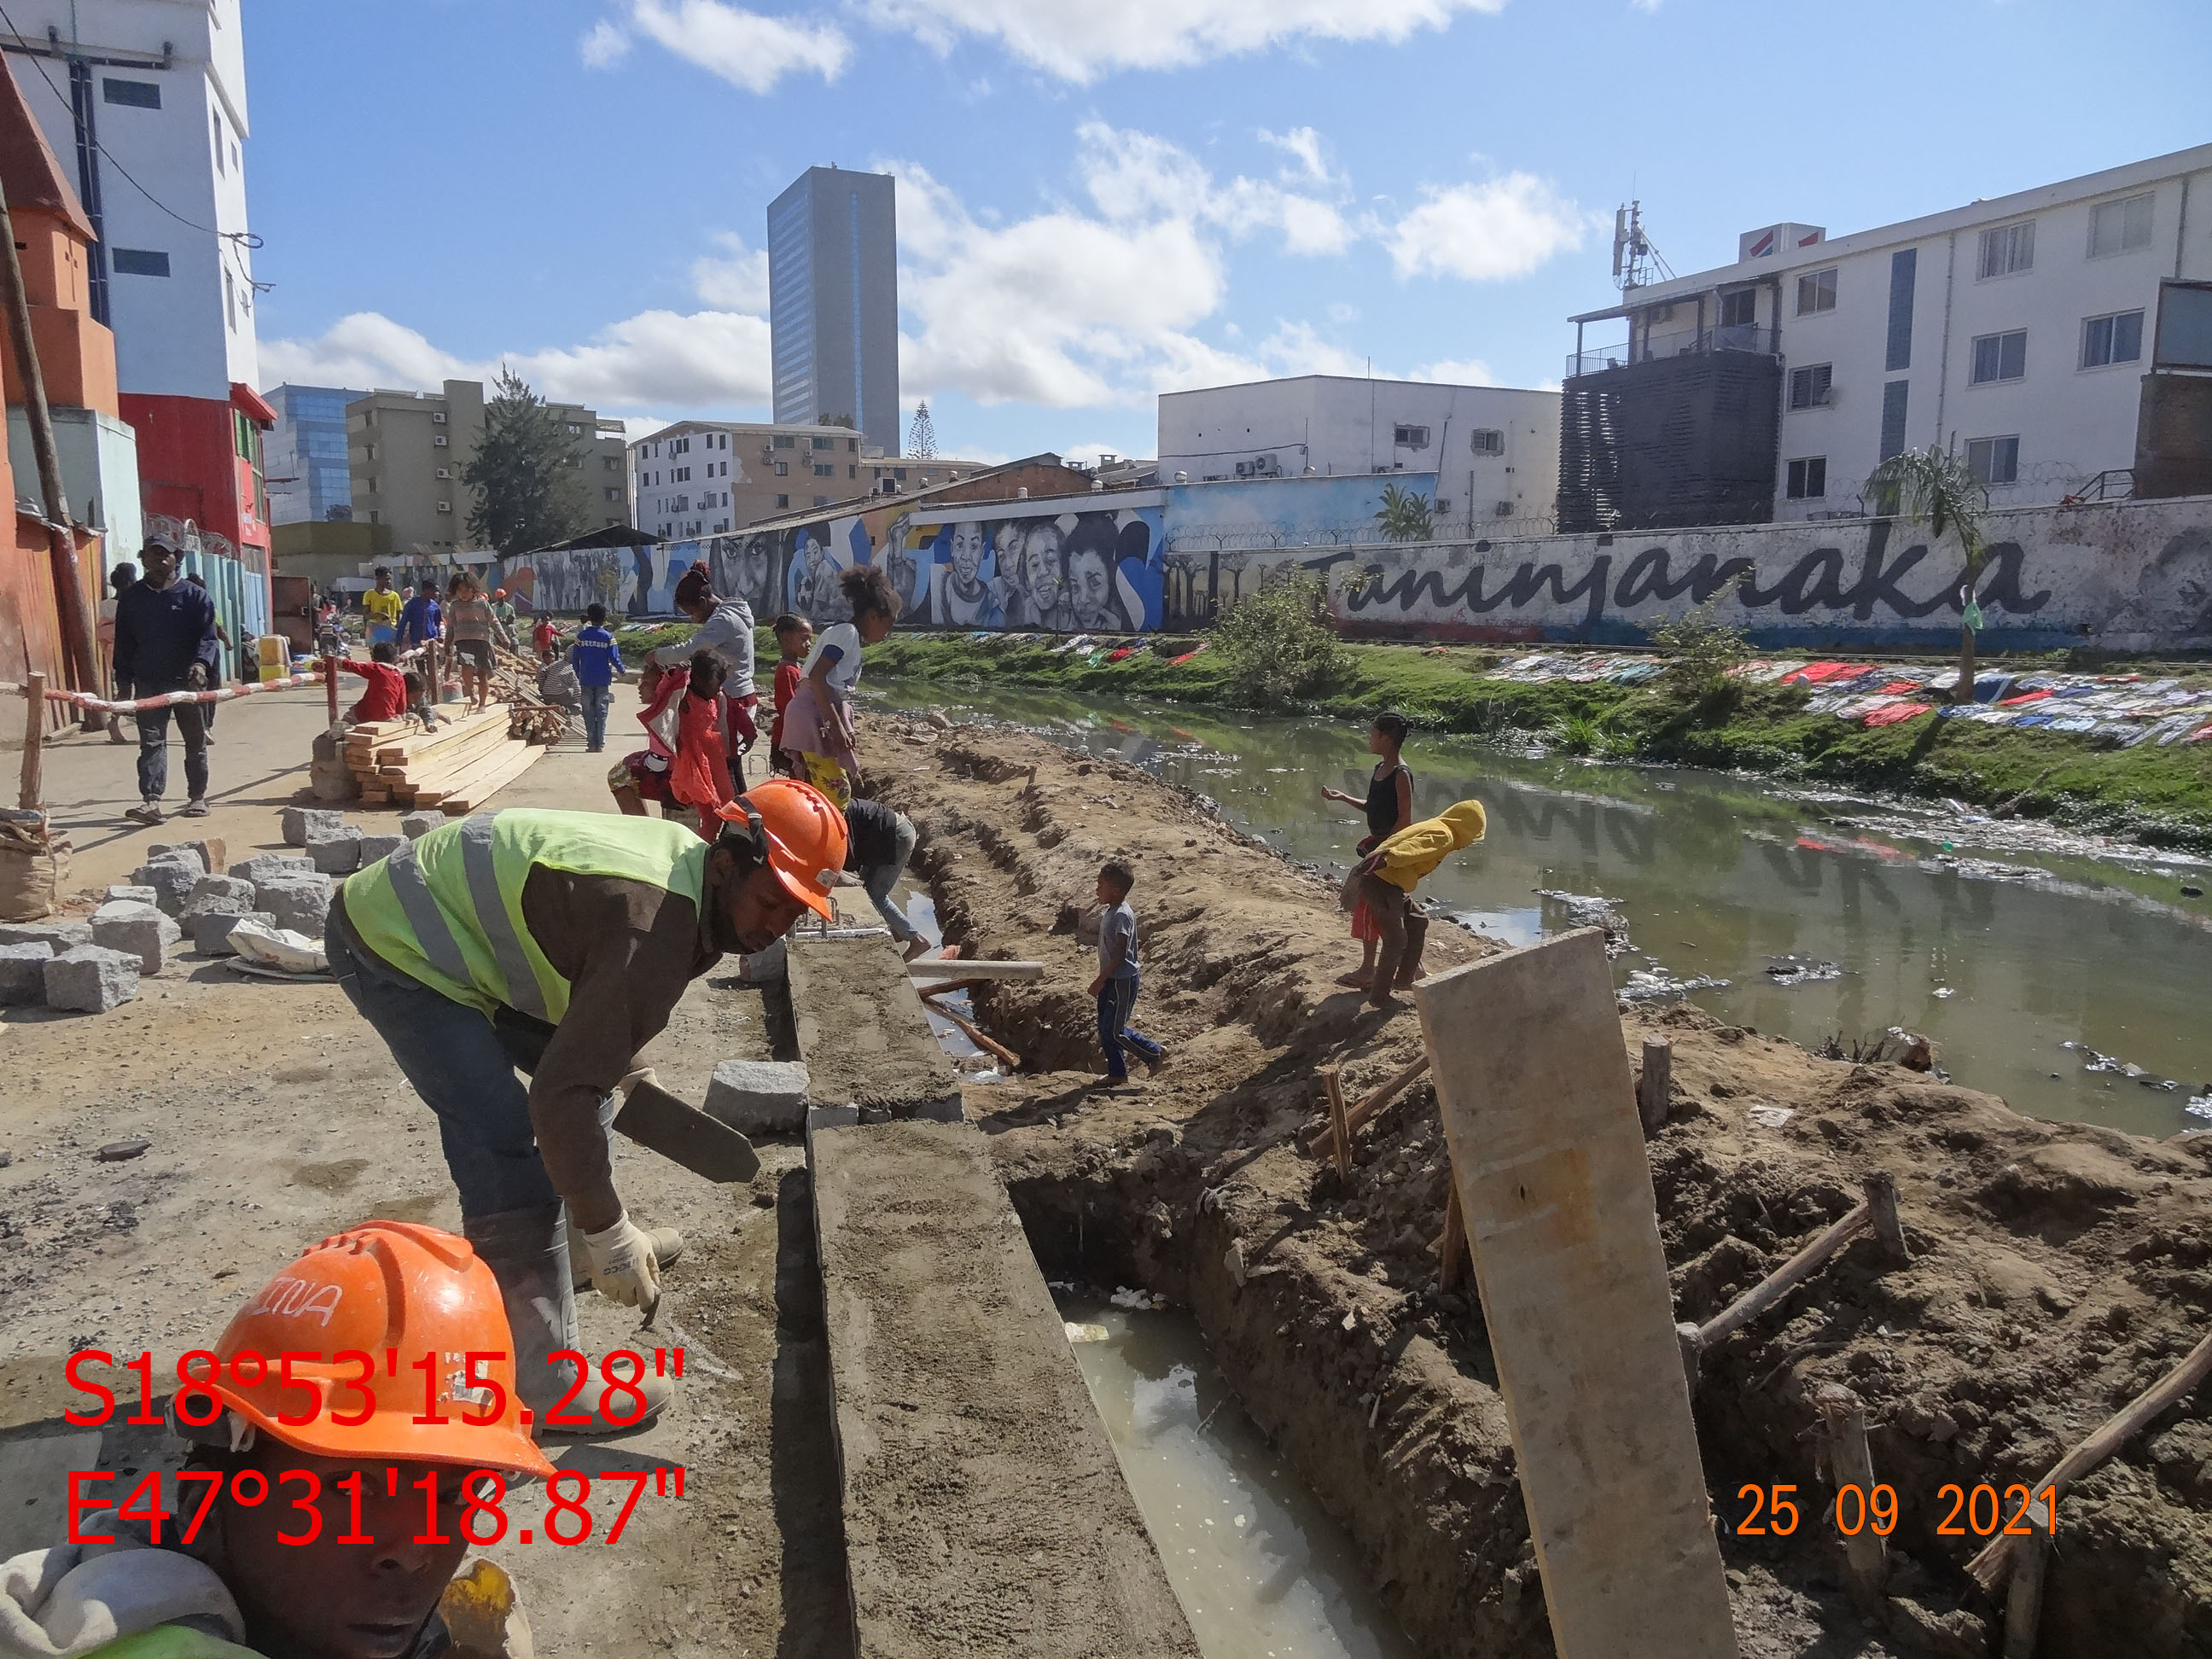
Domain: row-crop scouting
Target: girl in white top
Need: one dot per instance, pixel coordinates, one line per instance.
(818, 726)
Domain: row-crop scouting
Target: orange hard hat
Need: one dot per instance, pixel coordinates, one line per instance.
(804, 834)
(340, 1333)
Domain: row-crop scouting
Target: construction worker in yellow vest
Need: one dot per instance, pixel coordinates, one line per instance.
(319, 1511)
(558, 944)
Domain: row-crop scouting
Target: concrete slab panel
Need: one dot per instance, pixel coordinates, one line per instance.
(1548, 1158)
(862, 1033)
(985, 1513)
(34, 1474)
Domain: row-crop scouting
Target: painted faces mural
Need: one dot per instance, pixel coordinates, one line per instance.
(1068, 572)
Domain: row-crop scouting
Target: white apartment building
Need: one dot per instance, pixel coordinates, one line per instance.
(711, 478)
(2016, 330)
(1495, 450)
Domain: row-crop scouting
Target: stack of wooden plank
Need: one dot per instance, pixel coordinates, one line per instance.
(455, 768)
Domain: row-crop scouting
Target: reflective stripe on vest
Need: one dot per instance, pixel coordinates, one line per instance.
(446, 910)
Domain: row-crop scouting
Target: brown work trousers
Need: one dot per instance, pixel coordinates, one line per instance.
(1404, 930)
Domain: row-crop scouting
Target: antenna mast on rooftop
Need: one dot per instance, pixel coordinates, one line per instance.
(1636, 262)
(921, 436)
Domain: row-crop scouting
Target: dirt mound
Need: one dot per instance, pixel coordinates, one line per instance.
(2056, 1269)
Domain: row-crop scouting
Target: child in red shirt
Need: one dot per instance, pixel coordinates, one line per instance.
(700, 777)
(543, 637)
(384, 697)
(793, 633)
(642, 775)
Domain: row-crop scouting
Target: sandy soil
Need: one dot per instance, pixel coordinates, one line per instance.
(2057, 1269)
(277, 1118)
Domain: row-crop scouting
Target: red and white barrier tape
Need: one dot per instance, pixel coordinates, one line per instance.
(85, 700)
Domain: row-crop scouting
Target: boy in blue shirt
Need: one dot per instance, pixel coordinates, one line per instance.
(598, 662)
(1116, 988)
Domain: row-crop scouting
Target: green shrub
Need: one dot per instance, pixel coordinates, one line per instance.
(1278, 646)
(1699, 648)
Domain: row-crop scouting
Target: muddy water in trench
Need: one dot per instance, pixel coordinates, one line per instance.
(2003, 953)
(1262, 1571)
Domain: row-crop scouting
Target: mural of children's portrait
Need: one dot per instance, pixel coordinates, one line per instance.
(965, 573)
(746, 568)
(1090, 556)
(1039, 577)
(901, 562)
(812, 586)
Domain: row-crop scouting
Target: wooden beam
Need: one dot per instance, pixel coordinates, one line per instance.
(1866, 1553)
(1554, 1185)
(1784, 1279)
(1655, 1084)
(964, 968)
(2023, 1599)
(1371, 1103)
(1989, 1567)
(976, 1036)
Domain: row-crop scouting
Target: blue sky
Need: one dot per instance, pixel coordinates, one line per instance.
(1101, 201)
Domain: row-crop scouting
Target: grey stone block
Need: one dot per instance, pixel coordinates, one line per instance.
(299, 903)
(212, 930)
(223, 887)
(339, 855)
(23, 971)
(171, 852)
(171, 878)
(267, 866)
(759, 1097)
(60, 935)
(303, 823)
(417, 824)
(373, 848)
(89, 979)
(138, 930)
(130, 894)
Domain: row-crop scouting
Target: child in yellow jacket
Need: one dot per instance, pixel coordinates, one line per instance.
(1387, 877)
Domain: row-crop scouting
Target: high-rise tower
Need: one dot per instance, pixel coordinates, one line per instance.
(833, 302)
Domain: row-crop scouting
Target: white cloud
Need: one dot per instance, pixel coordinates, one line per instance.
(657, 359)
(1504, 228)
(605, 47)
(736, 279)
(1457, 371)
(1296, 348)
(1303, 145)
(1080, 43)
(1133, 176)
(746, 49)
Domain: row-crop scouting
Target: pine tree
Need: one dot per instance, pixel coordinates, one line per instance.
(922, 437)
(525, 473)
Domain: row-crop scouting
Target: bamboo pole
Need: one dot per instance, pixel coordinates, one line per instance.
(1784, 1280)
(35, 737)
(1989, 1567)
(1331, 1083)
(80, 664)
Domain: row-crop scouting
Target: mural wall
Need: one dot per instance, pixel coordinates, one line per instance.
(2128, 575)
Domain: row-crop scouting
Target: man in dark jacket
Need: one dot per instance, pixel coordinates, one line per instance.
(161, 624)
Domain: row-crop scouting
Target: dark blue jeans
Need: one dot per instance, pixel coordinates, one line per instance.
(1114, 1003)
(154, 742)
(596, 699)
(463, 1066)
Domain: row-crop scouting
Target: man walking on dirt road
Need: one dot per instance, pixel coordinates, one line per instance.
(558, 944)
(161, 624)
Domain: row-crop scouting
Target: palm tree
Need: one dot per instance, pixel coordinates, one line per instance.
(1934, 488)
(1405, 515)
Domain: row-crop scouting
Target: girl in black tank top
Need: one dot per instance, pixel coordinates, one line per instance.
(1390, 808)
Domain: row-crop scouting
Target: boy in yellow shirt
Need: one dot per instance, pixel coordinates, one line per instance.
(381, 607)
(1387, 879)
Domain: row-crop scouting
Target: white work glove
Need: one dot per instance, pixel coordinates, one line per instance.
(623, 1266)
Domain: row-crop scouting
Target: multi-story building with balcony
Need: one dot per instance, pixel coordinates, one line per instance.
(711, 478)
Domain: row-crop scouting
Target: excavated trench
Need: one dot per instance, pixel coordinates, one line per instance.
(2058, 1268)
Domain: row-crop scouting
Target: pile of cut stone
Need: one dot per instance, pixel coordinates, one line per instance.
(95, 963)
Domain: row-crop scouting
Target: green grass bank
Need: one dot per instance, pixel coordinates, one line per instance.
(2162, 796)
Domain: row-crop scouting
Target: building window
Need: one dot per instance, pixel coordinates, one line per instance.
(138, 262)
(1816, 291)
(2007, 249)
(215, 115)
(825, 443)
(2120, 227)
(614, 495)
(1808, 478)
(853, 445)
(2000, 357)
(822, 471)
(853, 471)
(1741, 308)
(782, 468)
(2114, 339)
(1487, 440)
(1993, 461)
(783, 440)
(614, 462)
(229, 303)
(1409, 437)
(139, 95)
(821, 501)
(1811, 387)
(783, 501)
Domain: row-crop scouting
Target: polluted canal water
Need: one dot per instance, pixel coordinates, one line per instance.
(2064, 974)
(1261, 1571)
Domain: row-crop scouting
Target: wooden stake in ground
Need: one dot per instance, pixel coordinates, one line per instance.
(1655, 1084)
(1555, 1185)
(1333, 1085)
(1454, 1244)
(79, 661)
(1866, 1552)
(35, 734)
